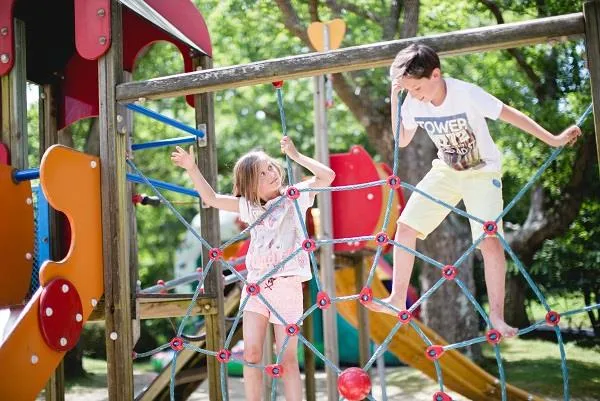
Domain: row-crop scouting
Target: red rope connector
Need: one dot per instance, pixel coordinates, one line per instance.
(434, 352)
(493, 337)
(309, 245)
(552, 318)
(215, 253)
(274, 370)
(133, 355)
(292, 193)
(441, 396)
(292, 329)
(162, 284)
(449, 272)
(278, 84)
(252, 289)
(323, 300)
(223, 355)
(381, 238)
(405, 316)
(366, 295)
(136, 199)
(177, 344)
(490, 227)
(393, 181)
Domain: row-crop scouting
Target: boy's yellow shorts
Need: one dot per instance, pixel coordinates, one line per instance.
(481, 192)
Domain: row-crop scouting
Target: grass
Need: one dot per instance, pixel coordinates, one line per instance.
(535, 365)
(562, 304)
(96, 373)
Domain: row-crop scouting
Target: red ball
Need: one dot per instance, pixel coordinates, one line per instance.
(354, 384)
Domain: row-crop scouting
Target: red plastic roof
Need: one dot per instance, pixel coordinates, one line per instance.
(80, 83)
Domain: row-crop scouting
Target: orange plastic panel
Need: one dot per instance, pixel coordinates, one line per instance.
(71, 182)
(16, 238)
(336, 30)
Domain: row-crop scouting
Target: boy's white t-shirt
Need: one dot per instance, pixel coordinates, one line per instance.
(277, 236)
(457, 126)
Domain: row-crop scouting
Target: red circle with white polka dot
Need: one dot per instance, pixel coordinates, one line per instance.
(61, 315)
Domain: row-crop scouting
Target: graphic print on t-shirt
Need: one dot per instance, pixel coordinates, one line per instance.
(455, 140)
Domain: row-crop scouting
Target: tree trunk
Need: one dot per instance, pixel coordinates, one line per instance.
(92, 142)
(448, 311)
(515, 312)
(73, 363)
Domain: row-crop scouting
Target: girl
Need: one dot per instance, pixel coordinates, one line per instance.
(258, 183)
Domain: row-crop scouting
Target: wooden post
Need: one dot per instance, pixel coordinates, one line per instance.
(209, 223)
(267, 359)
(48, 134)
(591, 12)
(309, 357)
(326, 232)
(133, 244)
(364, 346)
(115, 219)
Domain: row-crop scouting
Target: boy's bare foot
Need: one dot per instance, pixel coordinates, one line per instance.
(504, 329)
(394, 301)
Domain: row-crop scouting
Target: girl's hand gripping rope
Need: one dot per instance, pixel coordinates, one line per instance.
(288, 147)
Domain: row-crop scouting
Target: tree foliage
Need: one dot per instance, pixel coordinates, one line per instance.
(549, 82)
(553, 229)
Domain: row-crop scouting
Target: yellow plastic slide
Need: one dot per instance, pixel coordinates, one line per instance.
(460, 374)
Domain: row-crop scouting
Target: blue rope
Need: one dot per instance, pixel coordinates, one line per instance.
(398, 325)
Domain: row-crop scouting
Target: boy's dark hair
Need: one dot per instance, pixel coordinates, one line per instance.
(415, 61)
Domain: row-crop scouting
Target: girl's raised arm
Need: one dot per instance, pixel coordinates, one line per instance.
(187, 161)
(324, 176)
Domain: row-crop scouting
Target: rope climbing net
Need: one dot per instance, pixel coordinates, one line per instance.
(324, 300)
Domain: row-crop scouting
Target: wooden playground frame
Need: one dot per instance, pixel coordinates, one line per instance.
(120, 272)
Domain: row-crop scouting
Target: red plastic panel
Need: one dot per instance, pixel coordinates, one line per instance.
(61, 315)
(185, 16)
(7, 44)
(4, 154)
(80, 84)
(92, 28)
(355, 213)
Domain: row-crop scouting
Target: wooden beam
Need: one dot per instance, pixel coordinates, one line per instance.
(361, 272)
(158, 306)
(310, 381)
(330, 331)
(591, 12)
(115, 220)
(131, 212)
(186, 359)
(48, 136)
(191, 376)
(354, 58)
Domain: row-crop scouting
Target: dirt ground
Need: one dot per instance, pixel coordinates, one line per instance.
(418, 388)
(402, 384)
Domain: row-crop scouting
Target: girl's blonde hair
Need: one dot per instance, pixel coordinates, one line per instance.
(246, 174)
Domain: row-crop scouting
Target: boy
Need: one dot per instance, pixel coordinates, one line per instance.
(468, 167)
